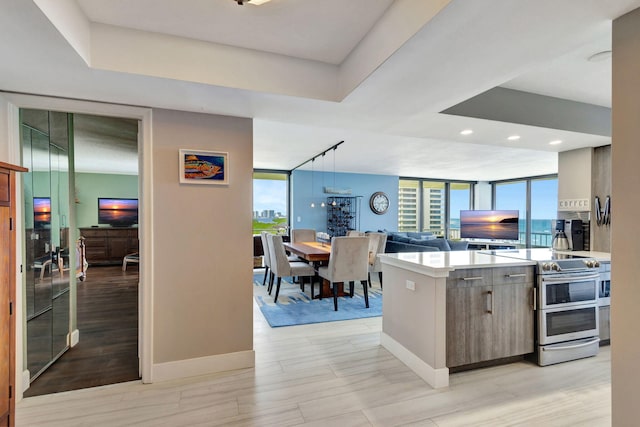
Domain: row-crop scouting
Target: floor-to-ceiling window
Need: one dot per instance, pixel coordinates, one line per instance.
(544, 208)
(459, 200)
(270, 201)
(536, 199)
(432, 205)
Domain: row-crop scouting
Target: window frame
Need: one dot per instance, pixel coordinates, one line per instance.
(447, 195)
(528, 180)
(288, 202)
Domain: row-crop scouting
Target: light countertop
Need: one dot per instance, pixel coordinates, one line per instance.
(600, 256)
(439, 264)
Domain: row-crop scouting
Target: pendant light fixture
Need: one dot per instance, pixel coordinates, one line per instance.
(313, 205)
(312, 160)
(334, 173)
(322, 204)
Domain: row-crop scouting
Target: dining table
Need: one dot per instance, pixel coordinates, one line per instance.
(318, 254)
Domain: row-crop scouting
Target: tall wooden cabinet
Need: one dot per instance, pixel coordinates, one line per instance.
(7, 292)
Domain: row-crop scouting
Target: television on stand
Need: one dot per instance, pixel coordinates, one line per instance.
(490, 224)
(117, 212)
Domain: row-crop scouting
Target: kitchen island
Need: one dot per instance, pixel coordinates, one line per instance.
(445, 309)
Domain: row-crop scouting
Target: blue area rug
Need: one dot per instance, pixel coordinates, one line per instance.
(295, 307)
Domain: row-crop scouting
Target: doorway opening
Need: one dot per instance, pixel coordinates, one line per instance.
(82, 305)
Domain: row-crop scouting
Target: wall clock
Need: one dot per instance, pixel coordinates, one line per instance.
(379, 202)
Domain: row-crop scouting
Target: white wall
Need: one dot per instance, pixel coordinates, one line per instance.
(574, 174)
(625, 229)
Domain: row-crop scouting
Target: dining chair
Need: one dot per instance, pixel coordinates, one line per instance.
(375, 266)
(355, 233)
(303, 235)
(267, 257)
(348, 262)
(282, 267)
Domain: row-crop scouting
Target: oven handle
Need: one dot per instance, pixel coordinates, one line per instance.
(569, 347)
(569, 278)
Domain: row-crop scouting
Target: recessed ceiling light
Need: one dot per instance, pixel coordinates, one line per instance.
(254, 2)
(466, 132)
(555, 142)
(514, 137)
(600, 56)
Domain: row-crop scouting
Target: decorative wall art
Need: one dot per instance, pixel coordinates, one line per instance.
(204, 167)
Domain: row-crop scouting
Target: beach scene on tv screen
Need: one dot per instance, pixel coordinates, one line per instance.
(117, 211)
(489, 224)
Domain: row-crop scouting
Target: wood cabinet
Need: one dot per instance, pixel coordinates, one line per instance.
(489, 314)
(7, 292)
(109, 245)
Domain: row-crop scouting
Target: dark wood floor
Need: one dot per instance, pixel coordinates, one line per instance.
(108, 323)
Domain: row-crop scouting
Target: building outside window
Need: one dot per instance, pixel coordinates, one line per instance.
(434, 203)
(429, 205)
(408, 205)
(270, 202)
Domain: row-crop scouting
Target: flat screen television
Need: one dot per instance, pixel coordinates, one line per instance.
(485, 224)
(117, 212)
(42, 210)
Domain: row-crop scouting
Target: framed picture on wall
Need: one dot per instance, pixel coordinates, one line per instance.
(204, 167)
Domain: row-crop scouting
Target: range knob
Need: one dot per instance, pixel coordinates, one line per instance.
(546, 266)
(592, 263)
(555, 267)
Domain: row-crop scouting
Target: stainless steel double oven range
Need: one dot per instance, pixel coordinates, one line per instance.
(567, 309)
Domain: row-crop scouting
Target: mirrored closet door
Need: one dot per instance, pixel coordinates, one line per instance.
(45, 151)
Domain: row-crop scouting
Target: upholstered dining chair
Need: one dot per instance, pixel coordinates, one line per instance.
(282, 267)
(303, 235)
(267, 257)
(375, 266)
(355, 233)
(348, 262)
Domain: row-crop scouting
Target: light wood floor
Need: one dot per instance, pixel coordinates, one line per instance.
(337, 374)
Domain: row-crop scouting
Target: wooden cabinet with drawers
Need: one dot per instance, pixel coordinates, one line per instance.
(109, 245)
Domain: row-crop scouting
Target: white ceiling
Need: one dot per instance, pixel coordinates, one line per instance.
(375, 74)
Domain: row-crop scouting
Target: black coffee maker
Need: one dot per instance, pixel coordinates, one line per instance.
(575, 234)
(560, 241)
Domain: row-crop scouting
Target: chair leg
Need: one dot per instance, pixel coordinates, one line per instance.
(351, 286)
(271, 277)
(275, 300)
(266, 272)
(369, 279)
(380, 276)
(313, 285)
(301, 279)
(366, 293)
(335, 296)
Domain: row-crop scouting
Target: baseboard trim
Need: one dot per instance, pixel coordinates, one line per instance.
(26, 380)
(436, 378)
(74, 338)
(203, 365)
